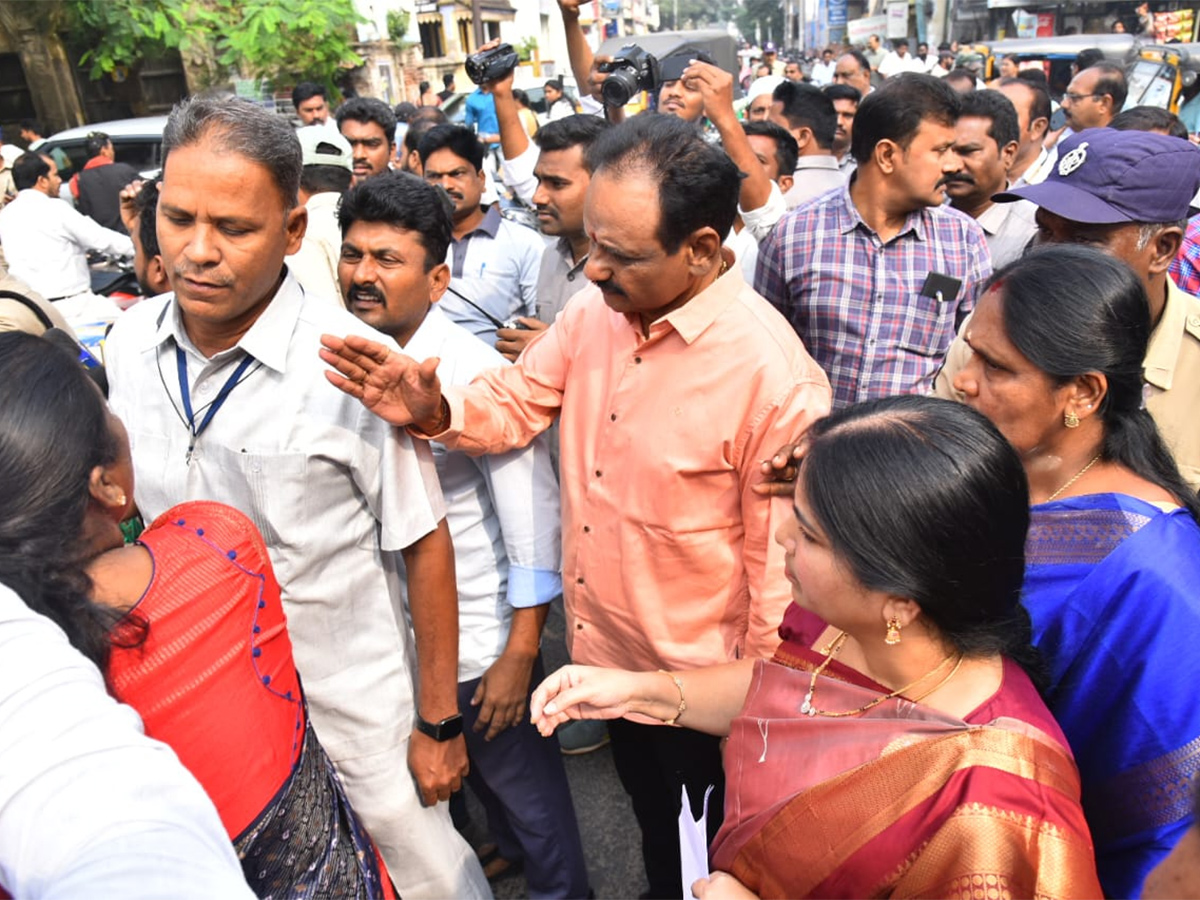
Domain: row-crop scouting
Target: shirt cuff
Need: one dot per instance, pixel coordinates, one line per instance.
(532, 587)
(760, 221)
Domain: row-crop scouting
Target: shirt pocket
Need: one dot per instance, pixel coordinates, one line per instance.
(926, 326)
(271, 489)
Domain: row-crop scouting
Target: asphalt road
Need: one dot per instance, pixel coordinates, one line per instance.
(611, 839)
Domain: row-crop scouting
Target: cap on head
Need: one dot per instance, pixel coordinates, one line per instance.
(765, 85)
(768, 47)
(322, 146)
(1109, 177)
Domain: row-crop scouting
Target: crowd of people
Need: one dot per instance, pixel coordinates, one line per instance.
(853, 424)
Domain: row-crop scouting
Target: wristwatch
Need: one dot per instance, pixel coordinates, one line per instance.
(445, 730)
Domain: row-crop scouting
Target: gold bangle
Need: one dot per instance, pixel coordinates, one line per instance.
(682, 703)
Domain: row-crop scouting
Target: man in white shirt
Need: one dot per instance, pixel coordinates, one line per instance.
(504, 520)
(90, 806)
(333, 490)
(328, 170)
(809, 117)
(46, 241)
(822, 72)
(900, 60)
(1033, 161)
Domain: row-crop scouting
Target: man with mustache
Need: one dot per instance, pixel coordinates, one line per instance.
(671, 380)
(986, 139)
(503, 514)
(845, 103)
(876, 277)
(224, 399)
(493, 261)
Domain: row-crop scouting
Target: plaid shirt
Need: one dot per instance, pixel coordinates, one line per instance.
(1185, 268)
(855, 301)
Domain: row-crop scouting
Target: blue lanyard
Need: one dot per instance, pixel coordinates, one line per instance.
(222, 395)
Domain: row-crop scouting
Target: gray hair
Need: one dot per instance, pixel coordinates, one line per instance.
(241, 127)
(1148, 231)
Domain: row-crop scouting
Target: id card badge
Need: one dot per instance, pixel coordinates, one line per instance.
(941, 288)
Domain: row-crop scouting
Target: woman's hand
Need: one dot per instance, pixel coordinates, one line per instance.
(584, 692)
(721, 886)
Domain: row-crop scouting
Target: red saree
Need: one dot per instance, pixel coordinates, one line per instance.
(902, 801)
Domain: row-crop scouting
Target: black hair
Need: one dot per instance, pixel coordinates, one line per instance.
(369, 109)
(1149, 118)
(697, 183)
(1071, 310)
(1040, 107)
(420, 125)
(1085, 59)
(993, 105)
(326, 179)
(924, 499)
(458, 139)
(805, 106)
(448, 79)
(962, 75)
(842, 92)
(859, 57)
(423, 87)
(1037, 78)
(900, 42)
(147, 210)
(96, 141)
(53, 432)
(405, 201)
(521, 97)
(27, 169)
(570, 131)
(404, 110)
(555, 83)
(896, 110)
(787, 151)
(306, 90)
(1111, 82)
(32, 125)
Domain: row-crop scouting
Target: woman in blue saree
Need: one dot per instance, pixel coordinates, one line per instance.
(1113, 555)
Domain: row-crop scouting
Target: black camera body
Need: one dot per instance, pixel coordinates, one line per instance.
(491, 65)
(631, 70)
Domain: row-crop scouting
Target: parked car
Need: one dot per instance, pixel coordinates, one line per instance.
(137, 142)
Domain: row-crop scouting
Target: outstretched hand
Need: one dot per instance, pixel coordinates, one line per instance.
(581, 692)
(395, 387)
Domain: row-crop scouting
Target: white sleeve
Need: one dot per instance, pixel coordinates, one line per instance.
(89, 806)
(91, 235)
(759, 222)
(517, 173)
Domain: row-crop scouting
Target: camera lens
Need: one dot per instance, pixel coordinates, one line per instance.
(619, 86)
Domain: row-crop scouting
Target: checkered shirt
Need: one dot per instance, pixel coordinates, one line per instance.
(856, 301)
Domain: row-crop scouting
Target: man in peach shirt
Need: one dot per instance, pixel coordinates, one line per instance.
(672, 381)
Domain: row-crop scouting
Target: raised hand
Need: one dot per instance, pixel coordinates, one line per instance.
(395, 387)
(780, 472)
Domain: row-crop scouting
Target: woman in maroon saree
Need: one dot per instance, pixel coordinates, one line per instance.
(902, 749)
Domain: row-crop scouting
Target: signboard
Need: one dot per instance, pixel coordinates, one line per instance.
(836, 15)
(897, 18)
(860, 29)
(1034, 24)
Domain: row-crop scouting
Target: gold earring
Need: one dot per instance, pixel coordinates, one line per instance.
(893, 631)
(1070, 420)
(121, 500)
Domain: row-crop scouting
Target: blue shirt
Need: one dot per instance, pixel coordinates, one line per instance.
(481, 113)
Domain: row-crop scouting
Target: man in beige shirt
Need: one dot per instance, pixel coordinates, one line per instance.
(1127, 192)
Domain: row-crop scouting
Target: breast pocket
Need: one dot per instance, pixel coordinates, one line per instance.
(928, 326)
(271, 489)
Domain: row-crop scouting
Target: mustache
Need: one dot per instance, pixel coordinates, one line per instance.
(364, 292)
(542, 208)
(608, 287)
(962, 178)
(199, 273)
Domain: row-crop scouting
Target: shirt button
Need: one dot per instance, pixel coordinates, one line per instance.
(613, 417)
(579, 580)
(598, 473)
(1194, 321)
(570, 278)
(637, 359)
(587, 529)
(579, 626)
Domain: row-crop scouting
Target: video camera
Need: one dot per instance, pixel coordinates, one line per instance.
(631, 70)
(491, 65)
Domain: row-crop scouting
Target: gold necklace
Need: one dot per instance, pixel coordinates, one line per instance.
(807, 708)
(1077, 476)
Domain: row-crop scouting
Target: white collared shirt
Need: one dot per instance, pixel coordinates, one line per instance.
(329, 485)
(315, 264)
(502, 511)
(46, 241)
(1008, 227)
(90, 806)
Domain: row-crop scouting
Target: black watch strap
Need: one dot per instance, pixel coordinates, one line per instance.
(445, 730)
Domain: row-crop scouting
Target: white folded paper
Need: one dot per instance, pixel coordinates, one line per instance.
(693, 842)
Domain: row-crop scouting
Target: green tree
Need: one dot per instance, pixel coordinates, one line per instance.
(280, 40)
(767, 15)
(695, 14)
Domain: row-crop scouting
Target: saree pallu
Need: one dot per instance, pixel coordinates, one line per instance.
(902, 801)
(1113, 587)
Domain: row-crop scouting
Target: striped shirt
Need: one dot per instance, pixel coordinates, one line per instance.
(856, 301)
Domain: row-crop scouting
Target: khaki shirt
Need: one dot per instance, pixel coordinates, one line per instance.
(1172, 373)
